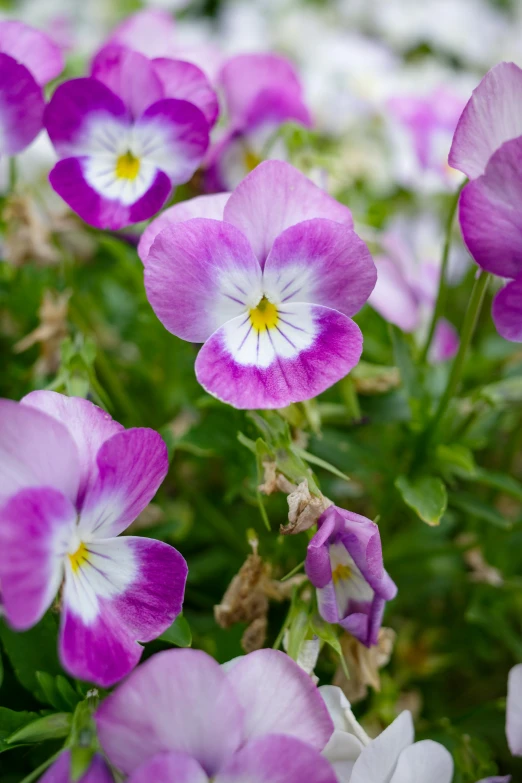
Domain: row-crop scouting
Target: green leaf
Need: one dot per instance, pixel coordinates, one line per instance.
(476, 508)
(11, 721)
(178, 634)
(326, 633)
(55, 726)
(80, 761)
(506, 392)
(31, 652)
(499, 481)
(456, 459)
(426, 495)
(321, 463)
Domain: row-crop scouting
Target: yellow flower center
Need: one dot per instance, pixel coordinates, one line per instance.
(79, 558)
(127, 166)
(341, 572)
(264, 316)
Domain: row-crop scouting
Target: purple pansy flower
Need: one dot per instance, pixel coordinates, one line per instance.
(60, 771)
(180, 716)
(28, 60)
(261, 91)
(123, 137)
(268, 285)
(72, 480)
(487, 147)
(344, 562)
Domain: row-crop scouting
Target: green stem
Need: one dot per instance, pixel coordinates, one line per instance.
(443, 288)
(36, 774)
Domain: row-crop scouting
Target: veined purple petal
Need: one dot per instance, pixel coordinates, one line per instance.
(492, 116)
(186, 81)
(88, 425)
(21, 106)
(200, 207)
(130, 75)
(169, 768)
(310, 348)
(507, 311)
(36, 527)
(514, 711)
(320, 262)
(131, 466)
(274, 197)
(179, 700)
(32, 48)
(276, 759)
(490, 209)
(199, 275)
(278, 697)
(379, 759)
(60, 771)
(35, 451)
(425, 761)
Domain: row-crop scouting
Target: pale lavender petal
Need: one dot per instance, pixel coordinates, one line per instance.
(88, 425)
(490, 209)
(321, 262)
(179, 700)
(445, 342)
(129, 75)
(274, 197)
(393, 297)
(199, 207)
(199, 275)
(151, 32)
(310, 349)
(21, 106)
(276, 759)
(378, 760)
(60, 771)
(424, 761)
(275, 106)
(507, 311)
(35, 451)
(32, 48)
(36, 526)
(186, 81)
(492, 116)
(278, 697)
(131, 466)
(169, 768)
(514, 711)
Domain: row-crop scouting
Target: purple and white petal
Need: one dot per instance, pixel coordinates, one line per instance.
(32, 48)
(308, 350)
(278, 697)
(36, 527)
(179, 700)
(274, 197)
(276, 759)
(87, 424)
(425, 761)
(272, 107)
(131, 466)
(492, 116)
(489, 213)
(393, 297)
(514, 711)
(169, 768)
(199, 275)
(35, 451)
(21, 106)
(378, 760)
(186, 81)
(320, 262)
(507, 311)
(60, 771)
(130, 75)
(199, 207)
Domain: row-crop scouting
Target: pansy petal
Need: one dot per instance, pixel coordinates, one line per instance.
(507, 311)
(310, 349)
(393, 297)
(60, 771)
(131, 466)
(199, 207)
(69, 180)
(445, 342)
(177, 137)
(130, 75)
(378, 760)
(274, 106)
(276, 759)
(86, 423)
(21, 106)
(178, 700)
(320, 262)
(169, 768)
(200, 274)
(492, 116)
(514, 711)
(427, 761)
(274, 197)
(490, 208)
(35, 450)
(32, 48)
(279, 698)
(151, 32)
(186, 81)
(36, 526)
